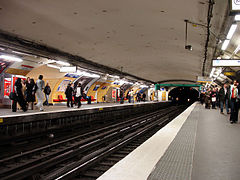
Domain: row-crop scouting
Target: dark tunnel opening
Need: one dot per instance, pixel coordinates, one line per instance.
(183, 95)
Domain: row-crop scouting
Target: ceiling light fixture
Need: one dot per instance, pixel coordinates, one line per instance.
(53, 66)
(237, 17)
(211, 74)
(237, 49)
(63, 63)
(11, 58)
(231, 31)
(225, 44)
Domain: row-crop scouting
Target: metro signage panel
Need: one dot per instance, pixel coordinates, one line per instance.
(224, 63)
(69, 69)
(235, 6)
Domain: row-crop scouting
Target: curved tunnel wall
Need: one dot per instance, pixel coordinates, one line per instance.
(100, 90)
(184, 94)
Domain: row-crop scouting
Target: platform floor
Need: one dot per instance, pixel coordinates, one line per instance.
(200, 144)
(63, 107)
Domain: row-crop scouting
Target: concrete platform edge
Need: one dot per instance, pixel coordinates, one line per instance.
(141, 162)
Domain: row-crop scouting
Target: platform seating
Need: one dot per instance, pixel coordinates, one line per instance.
(61, 99)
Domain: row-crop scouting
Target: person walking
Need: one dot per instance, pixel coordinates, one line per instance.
(224, 98)
(19, 96)
(69, 94)
(39, 93)
(47, 91)
(78, 94)
(234, 98)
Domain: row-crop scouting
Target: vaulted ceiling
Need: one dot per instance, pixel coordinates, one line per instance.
(146, 38)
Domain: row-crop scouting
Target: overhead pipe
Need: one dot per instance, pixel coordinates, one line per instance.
(209, 17)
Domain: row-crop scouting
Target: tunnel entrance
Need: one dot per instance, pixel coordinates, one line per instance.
(183, 95)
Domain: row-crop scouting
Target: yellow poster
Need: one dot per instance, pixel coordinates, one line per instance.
(164, 96)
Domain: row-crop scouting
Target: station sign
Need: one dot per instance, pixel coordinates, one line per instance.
(202, 79)
(234, 7)
(68, 69)
(229, 73)
(225, 63)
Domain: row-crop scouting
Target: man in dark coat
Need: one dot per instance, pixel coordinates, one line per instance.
(224, 97)
(19, 96)
(69, 94)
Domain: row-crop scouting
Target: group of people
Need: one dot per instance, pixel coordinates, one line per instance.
(228, 96)
(26, 91)
(139, 96)
(76, 92)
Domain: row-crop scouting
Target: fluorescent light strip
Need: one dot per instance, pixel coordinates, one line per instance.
(10, 58)
(231, 31)
(225, 44)
(63, 63)
(237, 49)
(237, 17)
(211, 74)
(53, 66)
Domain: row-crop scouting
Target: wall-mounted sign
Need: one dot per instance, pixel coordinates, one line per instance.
(224, 63)
(4, 65)
(7, 87)
(229, 73)
(234, 6)
(114, 93)
(69, 69)
(202, 79)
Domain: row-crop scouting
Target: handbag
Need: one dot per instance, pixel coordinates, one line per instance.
(12, 96)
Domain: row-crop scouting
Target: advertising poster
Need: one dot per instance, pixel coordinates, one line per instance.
(84, 80)
(7, 87)
(164, 96)
(114, 93)
(4, 65)
(126, 86)
(63, 85)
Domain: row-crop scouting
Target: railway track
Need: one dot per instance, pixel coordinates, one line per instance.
(72, 157)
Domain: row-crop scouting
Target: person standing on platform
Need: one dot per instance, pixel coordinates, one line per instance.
(144, 97)
(40, 96)
(138, 96)
(47, 91)
(131, 98)
(19, 96)
(121, 96)
(78, 94)
(234, 98)
(128, 97)
(69, 94)
(31, 90)
(207, 99)
(213, 96)
(224, 98)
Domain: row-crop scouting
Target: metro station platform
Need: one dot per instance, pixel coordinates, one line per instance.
(198, 144)
(56, 117)
(4, 113)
